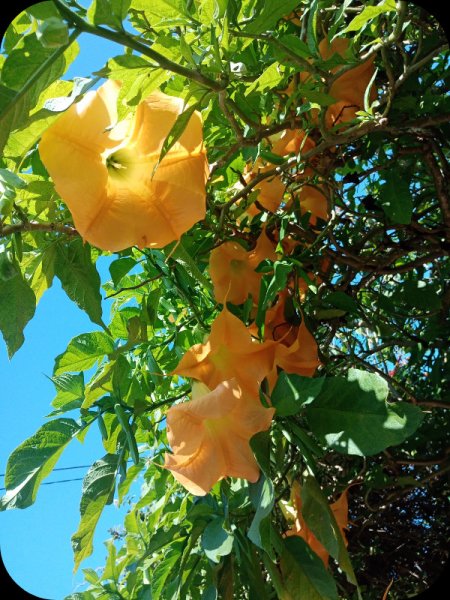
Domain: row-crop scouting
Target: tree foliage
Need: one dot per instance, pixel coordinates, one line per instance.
(337, 152)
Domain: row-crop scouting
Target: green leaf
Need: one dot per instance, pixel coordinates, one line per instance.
(320, 519)
(270, 286)
(268, 80)
(98, 486)
(120, 267)
(342, 301)
(28, 77)
(83, 352)
(177, 130)
(183, 258)
(163, 14)
(271, 13)
(304, 574)
(34, 460)
(43, 271)
(165, 568)
(311, 30)
(295, 45)
(79, 277)
(351, 415)
(53, 33)
(262, 497)
(70, 392)
(291, 392)
(124, 486)
(108, 12)
(216, 540)
(138, 78)
(17, 306)
(368, 13)
(395, 198)
(43, 10)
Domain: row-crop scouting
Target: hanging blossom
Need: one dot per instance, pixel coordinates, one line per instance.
(271, 190)
(229, 352)
(348, 89)
(296, 350)
(209, 436)
(105, 171)
(232, 269)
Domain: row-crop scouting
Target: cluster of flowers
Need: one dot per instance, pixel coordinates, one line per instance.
(348, 89)
(210, 434)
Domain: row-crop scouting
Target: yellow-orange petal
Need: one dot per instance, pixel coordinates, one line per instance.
(228, 353)
(301, 357)
(105, 174)
(229, 269)
(223, 420)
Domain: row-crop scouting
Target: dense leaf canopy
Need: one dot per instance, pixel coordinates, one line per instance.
(269, 183)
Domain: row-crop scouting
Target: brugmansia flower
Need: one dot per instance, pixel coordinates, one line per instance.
(229, 352)
(105, 172)
(271, 190)
(232, 269)
(301, 356)
(301, 529)
(350, 87)
(210, 434)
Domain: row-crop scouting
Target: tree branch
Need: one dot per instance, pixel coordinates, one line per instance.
(127, 40)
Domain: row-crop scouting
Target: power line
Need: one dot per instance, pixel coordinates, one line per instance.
(62, 469)
(3, 489)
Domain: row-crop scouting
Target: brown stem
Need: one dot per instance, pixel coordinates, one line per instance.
(36, 226)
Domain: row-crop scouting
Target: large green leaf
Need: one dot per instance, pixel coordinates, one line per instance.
(351, 415)
(70, 392)
(262, 497)
(26, 77)
(34, 460)
(79, 277)
(271, 13)
(17, 306)
(304, 574)
(163, 14)
(83, 352)
(216, 540)
(138, 78)
(98, 486)
(368, 13)
(291, 392)
(109, 12)
(166, 568)
(268, 79)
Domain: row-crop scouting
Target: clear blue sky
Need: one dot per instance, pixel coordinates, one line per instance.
(35, 542)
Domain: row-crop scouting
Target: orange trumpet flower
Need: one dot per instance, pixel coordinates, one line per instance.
(232, 269)
(271, 190)
(229, 352)
(104, 171)
(301, 356)
(350, 87)
(210, 434)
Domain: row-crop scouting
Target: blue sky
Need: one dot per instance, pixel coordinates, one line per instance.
(35, 542)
